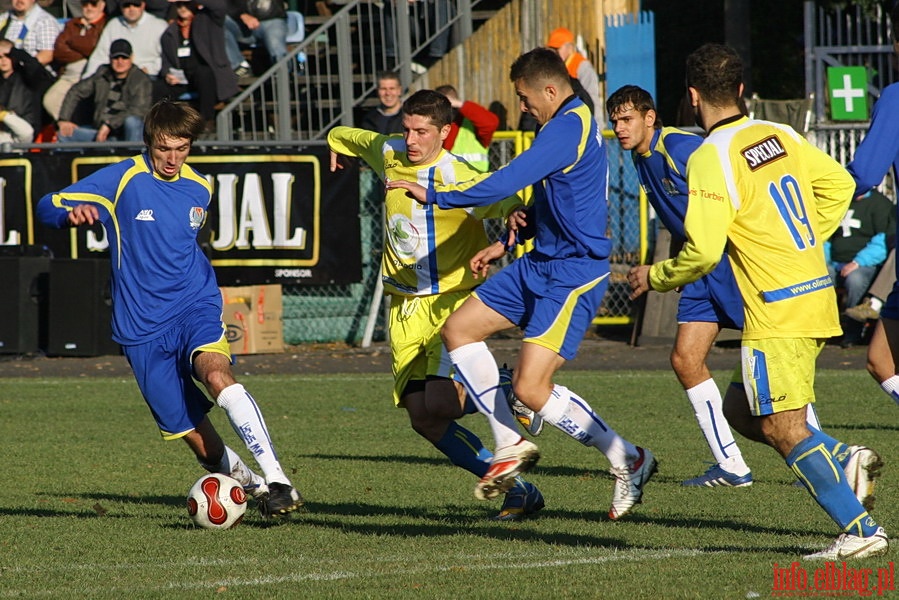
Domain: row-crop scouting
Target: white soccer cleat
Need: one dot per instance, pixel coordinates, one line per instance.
(629, 482)
(507, 464)
(862, 469)
(852, 546)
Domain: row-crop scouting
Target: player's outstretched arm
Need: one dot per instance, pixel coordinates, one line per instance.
(419, 193)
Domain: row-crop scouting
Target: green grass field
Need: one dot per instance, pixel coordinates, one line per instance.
(92, 503)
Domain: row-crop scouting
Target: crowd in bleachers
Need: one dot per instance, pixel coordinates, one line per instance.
(93, 76)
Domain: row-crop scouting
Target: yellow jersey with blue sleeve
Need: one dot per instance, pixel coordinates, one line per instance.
(426, 249)
(776, 199)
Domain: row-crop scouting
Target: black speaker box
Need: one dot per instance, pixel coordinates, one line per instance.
(23, 303)
(80, 308)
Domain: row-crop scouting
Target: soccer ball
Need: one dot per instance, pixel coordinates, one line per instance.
(216, 501)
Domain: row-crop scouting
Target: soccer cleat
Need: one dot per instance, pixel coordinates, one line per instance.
(852, 546)
(862, 469)
(281, 499)
(862, 312)
(529, 419)
(507, 464)
(716, 476)
(629, 482)
(522, 500)
(256, 490)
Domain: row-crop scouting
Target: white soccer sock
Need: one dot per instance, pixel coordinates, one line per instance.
(811, 416)
(573, 415)
(247, 421)
(891, 387)
(233, 466)
(477, 369)
(706, 401)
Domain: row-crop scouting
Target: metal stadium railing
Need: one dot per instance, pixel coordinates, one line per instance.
(333, 71)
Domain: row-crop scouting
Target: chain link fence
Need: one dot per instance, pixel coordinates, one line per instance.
(334, 313)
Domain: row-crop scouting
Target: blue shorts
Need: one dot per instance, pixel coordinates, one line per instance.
(890, 308)
(714, 298)
(164, 371)
(552, 300)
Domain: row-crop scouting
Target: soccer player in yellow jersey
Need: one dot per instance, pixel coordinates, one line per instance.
(425, 272)
(773, 199)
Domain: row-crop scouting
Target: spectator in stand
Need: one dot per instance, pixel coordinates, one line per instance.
(858, 248)
(157, 8)
(194, 59)
(388, 117)
(120, 93)
(140, 29)
(20, 112)
(471, 130)
(562, 41)
(869, 308)
(72, 49)
(255, 22)
(30, 28)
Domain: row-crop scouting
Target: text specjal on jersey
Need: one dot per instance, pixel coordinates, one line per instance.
(766, 151)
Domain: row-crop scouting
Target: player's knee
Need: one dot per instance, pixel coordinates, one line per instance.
(427, 426)
(879, 367)
(689, 371)
(448, 334)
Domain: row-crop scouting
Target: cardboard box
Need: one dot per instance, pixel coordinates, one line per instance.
(252, 316)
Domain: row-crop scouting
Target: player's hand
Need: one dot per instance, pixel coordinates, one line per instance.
(419, 193)
(518, 219)
(335, 162)
(83, 214)
(481, 261)
(638, 279)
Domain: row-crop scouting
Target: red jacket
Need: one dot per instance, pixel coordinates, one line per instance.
(485, 124)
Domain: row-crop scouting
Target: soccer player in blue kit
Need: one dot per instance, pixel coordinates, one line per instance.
(875, 155)
(552, 292)
(707, 305)
(166, 304)
(772, 199)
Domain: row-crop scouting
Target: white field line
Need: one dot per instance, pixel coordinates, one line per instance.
(508, 562)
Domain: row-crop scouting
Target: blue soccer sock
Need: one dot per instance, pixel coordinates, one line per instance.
(838, 450)
(812, 462)
(464, 449)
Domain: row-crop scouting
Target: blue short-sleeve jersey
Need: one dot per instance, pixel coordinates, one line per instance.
(159, 271)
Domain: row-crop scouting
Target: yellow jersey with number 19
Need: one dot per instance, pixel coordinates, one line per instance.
(775, 198)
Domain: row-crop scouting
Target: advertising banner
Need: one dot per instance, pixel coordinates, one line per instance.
(274, 218)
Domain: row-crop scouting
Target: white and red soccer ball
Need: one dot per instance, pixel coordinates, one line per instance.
(216, 501)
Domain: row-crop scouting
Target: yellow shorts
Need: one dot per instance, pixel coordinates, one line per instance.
(778, 374)
(415, 342)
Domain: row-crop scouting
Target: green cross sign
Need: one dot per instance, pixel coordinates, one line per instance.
(848, 88)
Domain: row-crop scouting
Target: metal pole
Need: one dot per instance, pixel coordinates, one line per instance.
(345, 69)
